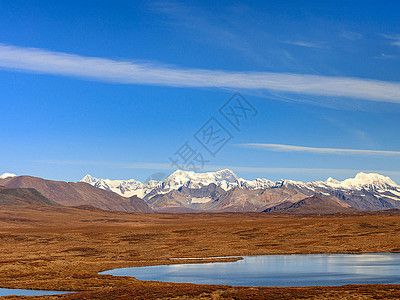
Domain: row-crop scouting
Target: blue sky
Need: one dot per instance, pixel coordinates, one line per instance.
(115, 88)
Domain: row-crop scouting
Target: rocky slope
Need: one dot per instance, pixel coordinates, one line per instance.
(316, 204)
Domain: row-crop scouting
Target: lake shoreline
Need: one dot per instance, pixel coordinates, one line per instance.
(295, 270)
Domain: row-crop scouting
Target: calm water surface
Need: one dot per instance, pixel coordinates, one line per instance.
(279, 270)
(19, 292)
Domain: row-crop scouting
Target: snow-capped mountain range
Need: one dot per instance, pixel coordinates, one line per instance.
(187, 191)
(375, 184)
(224, 179)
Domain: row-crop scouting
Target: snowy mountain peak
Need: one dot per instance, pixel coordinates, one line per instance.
(6, 175)
(227, 175)
(181, 173)
(332, 181)
(89, 179)
(288, 182)
(369, 180)
(126, 188)
(181, 176)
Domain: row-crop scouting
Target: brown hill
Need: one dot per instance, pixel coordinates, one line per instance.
(75, 194)
(169, 202)
(185, 199)
(214, 199)
(316, 204)
(240, 200)
(23, 196)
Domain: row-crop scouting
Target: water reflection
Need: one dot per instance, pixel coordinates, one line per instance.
(279, 270)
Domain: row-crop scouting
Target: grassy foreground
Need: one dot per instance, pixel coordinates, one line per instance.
(52, 248)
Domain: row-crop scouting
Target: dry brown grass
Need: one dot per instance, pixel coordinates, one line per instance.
(64, 249)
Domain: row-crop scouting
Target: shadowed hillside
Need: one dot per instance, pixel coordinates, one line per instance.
(312, 205)
(75, 194)
(23, 196)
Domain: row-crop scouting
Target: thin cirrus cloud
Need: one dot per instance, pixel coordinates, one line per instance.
(292, 148)
(396, 43)
(394, 38)
(305, 44)
(212, 168)
(125, 72)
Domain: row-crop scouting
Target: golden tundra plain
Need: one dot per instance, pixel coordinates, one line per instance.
(64, 249)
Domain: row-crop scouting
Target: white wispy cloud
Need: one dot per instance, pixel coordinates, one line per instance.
(303, 171)
(394, 38)
(396, 43)
(125, 72)
(203, 26)
(386, 56)
(391, 36)
(292, 148)
(305, 44)
(212, 168)
(117, 165)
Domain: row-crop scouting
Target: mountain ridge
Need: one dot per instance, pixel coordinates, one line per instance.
(188, 191)
(75, 194)
(366, 191)
(226, 179)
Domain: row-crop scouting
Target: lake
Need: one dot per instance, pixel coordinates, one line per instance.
(279, 270)
(20, 292)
